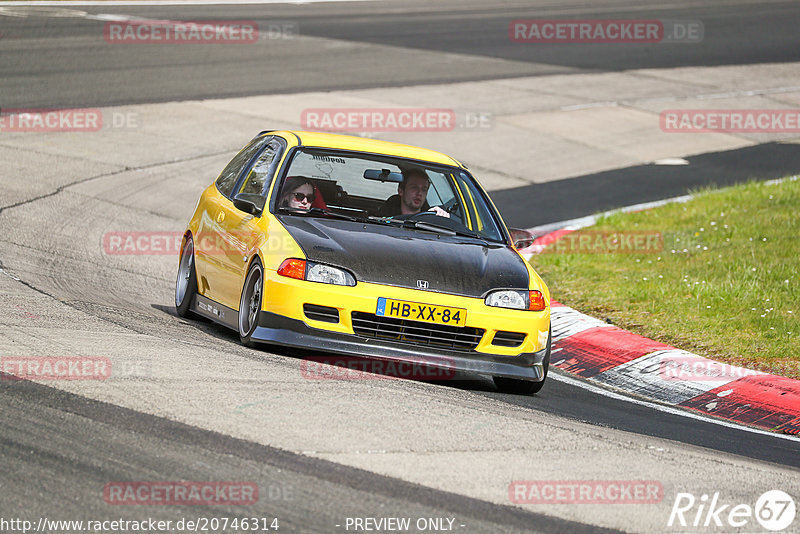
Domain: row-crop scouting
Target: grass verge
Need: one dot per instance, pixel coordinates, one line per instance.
(724, 285)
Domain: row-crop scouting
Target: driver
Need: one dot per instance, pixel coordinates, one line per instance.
(411, 195)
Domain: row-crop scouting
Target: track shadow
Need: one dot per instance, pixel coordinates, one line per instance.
(349, 367)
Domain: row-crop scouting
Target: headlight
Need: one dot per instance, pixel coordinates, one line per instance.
(508, 299)
(516, 300)
(315, 272)
(326, 274)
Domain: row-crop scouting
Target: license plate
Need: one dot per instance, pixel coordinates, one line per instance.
(416, 311)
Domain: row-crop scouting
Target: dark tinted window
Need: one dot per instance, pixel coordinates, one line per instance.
(227, 179)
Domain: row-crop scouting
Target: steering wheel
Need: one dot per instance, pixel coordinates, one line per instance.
(453, 208)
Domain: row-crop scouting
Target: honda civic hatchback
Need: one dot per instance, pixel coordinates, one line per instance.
(366, 248)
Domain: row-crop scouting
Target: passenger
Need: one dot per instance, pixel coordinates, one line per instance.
(298, 193)
(411, 195)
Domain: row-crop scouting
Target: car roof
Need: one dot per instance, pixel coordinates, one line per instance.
(372, 146)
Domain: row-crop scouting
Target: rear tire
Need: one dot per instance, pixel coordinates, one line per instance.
(186, 284)
(250, 303)
(525, 387)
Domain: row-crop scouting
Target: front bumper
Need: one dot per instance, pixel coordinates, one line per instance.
(286, 297)
(276, 329)
(283, 321)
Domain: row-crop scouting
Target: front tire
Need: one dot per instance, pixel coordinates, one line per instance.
(250, 303)
(525, 387)
(186, 284)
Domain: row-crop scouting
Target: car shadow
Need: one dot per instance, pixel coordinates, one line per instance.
(328, 366)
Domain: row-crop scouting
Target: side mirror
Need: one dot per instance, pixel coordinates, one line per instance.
(522, 238)
(249, 203)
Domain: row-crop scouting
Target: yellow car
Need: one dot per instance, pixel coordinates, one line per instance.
(366, 248)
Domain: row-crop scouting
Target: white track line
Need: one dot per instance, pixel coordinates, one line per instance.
(664, 408)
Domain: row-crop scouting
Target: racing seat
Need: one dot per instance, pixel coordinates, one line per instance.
(319, 202)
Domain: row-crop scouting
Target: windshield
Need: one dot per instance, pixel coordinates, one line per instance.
(380, 189)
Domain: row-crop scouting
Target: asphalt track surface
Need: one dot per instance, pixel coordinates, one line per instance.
(76, 446)
(72, 444)
(51, 62)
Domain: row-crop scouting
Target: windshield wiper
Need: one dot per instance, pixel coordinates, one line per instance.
(330, 213)
(319, 211)
(430, 226)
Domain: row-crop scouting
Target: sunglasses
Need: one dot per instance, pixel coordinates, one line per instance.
(300, 196)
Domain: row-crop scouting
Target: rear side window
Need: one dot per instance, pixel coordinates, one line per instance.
(227, 179)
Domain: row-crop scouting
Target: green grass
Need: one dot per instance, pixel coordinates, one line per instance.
(725, 285)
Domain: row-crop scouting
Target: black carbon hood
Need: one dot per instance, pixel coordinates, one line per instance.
(400, 256)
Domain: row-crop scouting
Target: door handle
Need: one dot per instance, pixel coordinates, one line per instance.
(220, 216)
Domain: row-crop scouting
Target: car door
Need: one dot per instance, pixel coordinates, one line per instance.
(239, 232)
(209, 243)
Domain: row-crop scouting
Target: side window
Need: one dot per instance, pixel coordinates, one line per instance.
(478, 216)
(263, 169)
(227, 179)
(440, 192)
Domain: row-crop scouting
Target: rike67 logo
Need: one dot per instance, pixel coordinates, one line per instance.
(774, 511)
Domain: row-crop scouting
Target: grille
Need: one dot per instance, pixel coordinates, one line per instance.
(415, 332)
(508, 339)
(321, 313)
